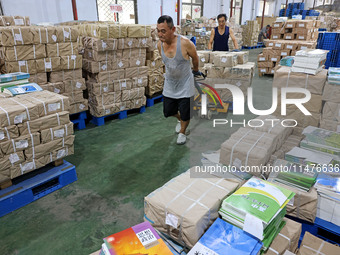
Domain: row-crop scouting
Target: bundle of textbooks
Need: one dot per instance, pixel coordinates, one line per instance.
(294, 175)
(17, 84)
(258, 208)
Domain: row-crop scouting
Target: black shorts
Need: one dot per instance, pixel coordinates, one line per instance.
(171, 106)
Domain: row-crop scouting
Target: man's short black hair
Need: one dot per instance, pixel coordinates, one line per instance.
(167, 19)
(221, 16)
(268, 25)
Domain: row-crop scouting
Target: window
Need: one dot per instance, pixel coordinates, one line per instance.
(128, 16)
(237, 11)
(194, 8)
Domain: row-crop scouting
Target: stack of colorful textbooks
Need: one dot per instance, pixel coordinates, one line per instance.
(258, 208)
(17, 84)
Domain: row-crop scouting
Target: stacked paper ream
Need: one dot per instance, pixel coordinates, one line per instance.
(155, 81)
(34, 130)
(330, 118)
(275, 50)
(309, 61)
(250, 33)
(185, 207)
(284, 77)
(115, 65)
(46, 52)
(328, 197)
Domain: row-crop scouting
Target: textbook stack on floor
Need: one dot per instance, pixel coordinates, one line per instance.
(35, 130)
(115, 66)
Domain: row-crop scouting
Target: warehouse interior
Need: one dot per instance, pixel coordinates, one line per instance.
(89, 164)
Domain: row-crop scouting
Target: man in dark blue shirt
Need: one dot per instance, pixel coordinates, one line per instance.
(220, 35)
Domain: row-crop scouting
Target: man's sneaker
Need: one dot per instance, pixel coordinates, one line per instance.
(181, 139)
(178, 127)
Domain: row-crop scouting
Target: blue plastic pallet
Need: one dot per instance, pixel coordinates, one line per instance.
(321, 228)
(79, 119)
(100, 121)
(151, 101)
(45, 181)
(251, 47)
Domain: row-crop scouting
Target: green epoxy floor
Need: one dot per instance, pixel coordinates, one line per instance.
(117, 165)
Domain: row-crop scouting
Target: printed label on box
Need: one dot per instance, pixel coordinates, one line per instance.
(73, 57)
(140, 80)
(288, 37)
(18, 37)
(278, 45)
(301, 37)
(27, 167)
(171, 220)
(303, 47)
(78, 85)
(289, 46)
(53, 107)
(54, 38)
(262, 59)
(124, 84)
(104, 45)
(56, 90)
(138, 62)
(59, 133)
(19, 22)
(224, 60)
(130, 43)
(273, 59)
(107, 111)
(203, 59)
(301, 25)
(22, 63)
(276, 25)
(61, 153)
(263, 70)
(106, 89)
(270, 44)
(18, 119)
(120, 64)
(283, 53)
(48, 65)
(2, 135)
(66, 34)
(104, 67)
(81, 106)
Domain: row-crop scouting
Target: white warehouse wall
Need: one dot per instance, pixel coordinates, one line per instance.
(86, 10)
(149, 11)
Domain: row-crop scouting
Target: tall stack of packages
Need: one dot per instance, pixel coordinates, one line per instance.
(285, 77)
(115, 67)
(330, 118)
(64, 77)
(227, 68)
(155, 68)
(14, 21)
(237, 29)
(250, 33)
(287, 38)
(35, 130)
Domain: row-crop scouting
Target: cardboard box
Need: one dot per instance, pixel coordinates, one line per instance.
(23, 52)
(263, 70)
(290, 24)
(57, 76)
(100, 66)
(305, 24)
(174, 206)
(137, 62)
(314, 83)
(311, 243)
(224, 60)
(285, 53)
(102, 55)
(62, 49)
(278, 24)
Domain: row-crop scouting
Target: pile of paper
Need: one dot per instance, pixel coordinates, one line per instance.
(324, 141)
(328, 188)
(293, 175)
(334, 75)
(308, 157)
(309, 61)
(258, 207)
(223, 238)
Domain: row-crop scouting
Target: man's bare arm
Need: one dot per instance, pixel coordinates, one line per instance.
(191, 50)
(231, 32)
(212, 35)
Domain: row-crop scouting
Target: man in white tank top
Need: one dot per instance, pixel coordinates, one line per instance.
(179, 89)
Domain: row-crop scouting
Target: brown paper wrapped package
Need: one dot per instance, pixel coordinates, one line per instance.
(46, 148)
(155, 85)
(331, 111)
(134, 53)
(287, 239)
(102, 55)
(96, 67)
(57, 87)
(62, 49)
(137, 62)
(26, 66)
(71, 62)
(23, 52)
(79, 107)
(51, 134)
(213, 71)
(5, 175)
(311, 245)
(224, 60)
(138, 31)
(28, 166)
(155, 64)
(10, 132)
(65, 75)
(47, 102)
(45, 122)
(39, 78)
(131, 94)
(138, 102)
(105, 31)
(12, 36)
(140, 82)
(106, 99)
(74, 85)
(69, 33)
(15, 21)
(15, 111)
(108, 76)
(133, 72)
(121, 64)
(100, 44)
(100, 88)
(331, 93)
(248, 148)
(182, 198)
(20, 143)
(75, 96)
(8, 161)
(48, 64)
(103, 110)
(123, 84)
(127, 43)
(332, 125)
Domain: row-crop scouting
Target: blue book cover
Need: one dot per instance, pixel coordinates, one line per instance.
(22, 89)
(223, 238)
(13, 76)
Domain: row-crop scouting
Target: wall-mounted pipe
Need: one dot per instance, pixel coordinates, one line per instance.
(74, 8)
